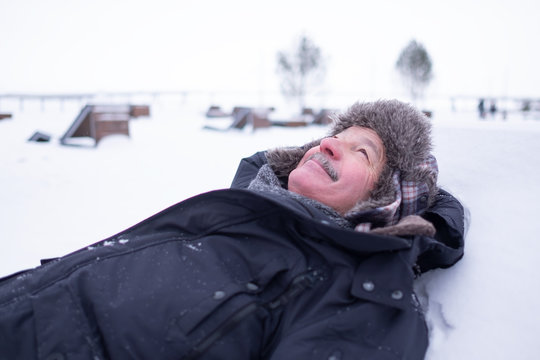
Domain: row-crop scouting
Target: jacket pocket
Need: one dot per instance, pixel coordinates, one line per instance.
(384, 279)
(229, 297)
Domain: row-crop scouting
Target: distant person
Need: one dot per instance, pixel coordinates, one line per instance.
(493, 108)
(311, 254)
(481, 109)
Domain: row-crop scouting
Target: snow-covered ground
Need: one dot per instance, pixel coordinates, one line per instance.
(55, 199)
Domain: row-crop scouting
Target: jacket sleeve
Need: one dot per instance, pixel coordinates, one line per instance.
(248, 169)
(446, 248)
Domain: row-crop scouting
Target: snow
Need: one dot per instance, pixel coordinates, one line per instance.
(56, 199)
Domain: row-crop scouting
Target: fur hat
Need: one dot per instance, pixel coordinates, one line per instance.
(406, 136)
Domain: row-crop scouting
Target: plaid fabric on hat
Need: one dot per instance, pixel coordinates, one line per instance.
(411, 197)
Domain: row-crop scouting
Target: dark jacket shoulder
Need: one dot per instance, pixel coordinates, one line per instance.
(247, 170)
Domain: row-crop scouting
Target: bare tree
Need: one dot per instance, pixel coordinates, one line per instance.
(300, 69)
(415, 68)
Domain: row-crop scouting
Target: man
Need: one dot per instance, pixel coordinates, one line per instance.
(310, 255)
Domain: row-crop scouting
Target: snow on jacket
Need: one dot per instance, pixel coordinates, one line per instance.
(231, 274)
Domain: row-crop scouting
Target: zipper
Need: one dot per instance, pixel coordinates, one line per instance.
(297, 286)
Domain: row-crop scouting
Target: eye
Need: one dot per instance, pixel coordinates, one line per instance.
(363, 152)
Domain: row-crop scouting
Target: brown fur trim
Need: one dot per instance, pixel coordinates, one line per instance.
(409, 225)
(285, 160)
(404, 130)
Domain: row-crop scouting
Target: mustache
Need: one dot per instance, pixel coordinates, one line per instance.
(326, 165)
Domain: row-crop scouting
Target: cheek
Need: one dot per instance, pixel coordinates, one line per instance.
(299, 180)
(361, 183)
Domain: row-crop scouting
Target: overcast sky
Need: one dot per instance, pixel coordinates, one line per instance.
(477, 47)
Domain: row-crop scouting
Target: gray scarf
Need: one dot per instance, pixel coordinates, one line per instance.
(267, 181)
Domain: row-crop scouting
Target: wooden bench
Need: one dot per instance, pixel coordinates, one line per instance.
(99, 121)
(258, 117)
(109, 120)
(139, 110)
(215, 111)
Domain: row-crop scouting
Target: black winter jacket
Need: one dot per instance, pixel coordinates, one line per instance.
(231, 274)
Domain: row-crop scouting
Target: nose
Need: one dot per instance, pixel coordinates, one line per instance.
(332, 147)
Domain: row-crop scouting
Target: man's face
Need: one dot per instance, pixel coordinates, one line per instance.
(342, 170)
